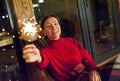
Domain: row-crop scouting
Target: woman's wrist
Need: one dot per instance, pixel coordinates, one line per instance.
(39, 60)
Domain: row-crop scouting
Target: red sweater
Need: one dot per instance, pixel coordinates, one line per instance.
(60, 56)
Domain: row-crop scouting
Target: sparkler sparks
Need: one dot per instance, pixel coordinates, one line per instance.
(30, 31)
(29, 28)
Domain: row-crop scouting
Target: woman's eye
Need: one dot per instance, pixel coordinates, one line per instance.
(55, 23)
(47, 26)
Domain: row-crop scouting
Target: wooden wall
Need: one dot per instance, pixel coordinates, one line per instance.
(23, 9)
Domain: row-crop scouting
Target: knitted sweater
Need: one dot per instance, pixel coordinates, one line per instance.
(60, 56)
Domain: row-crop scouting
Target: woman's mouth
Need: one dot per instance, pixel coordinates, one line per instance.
(54, 32)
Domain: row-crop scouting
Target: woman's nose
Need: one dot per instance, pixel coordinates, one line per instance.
(53, 27)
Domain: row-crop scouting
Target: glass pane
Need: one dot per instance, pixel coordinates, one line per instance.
(104, 30)
(9, 67)
(65, 9)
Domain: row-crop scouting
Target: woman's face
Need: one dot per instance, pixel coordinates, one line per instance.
(52, 28)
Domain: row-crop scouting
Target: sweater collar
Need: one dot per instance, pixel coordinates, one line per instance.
(54, 42)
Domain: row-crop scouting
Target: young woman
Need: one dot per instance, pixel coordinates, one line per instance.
(64, 58)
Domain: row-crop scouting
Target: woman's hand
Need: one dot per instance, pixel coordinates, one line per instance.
(31, 54)
(94, 76)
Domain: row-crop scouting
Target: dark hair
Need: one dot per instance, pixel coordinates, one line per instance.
(46, 17)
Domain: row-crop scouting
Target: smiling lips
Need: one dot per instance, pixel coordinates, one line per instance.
(55, 32)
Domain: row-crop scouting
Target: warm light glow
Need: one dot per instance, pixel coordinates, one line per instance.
(3, 29)
(29, 28)
(3, 17)
(41, 1)
(35, 5)
(13, 36)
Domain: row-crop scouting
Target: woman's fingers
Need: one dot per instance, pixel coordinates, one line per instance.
(29, 46)
(29, 58)
(31, 53)
(94, 76)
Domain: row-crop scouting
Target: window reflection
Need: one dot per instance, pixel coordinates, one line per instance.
(105, 28)
(9, 67)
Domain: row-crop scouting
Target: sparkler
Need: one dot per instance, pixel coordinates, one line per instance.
(30, 30)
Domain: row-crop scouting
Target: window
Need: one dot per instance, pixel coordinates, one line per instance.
(9, 66)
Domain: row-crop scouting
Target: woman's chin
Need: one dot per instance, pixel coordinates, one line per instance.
(54, 38)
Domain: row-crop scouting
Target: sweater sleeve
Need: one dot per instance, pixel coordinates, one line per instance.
(86, 58)
(44, 62)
